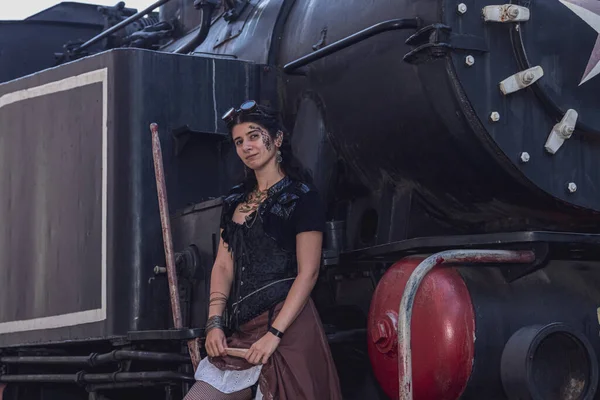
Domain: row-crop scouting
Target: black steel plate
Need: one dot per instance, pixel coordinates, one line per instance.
(573, 245)
(561, 43)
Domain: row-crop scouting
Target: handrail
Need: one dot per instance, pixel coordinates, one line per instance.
(410, 291)
(120, 25)
(391, 25)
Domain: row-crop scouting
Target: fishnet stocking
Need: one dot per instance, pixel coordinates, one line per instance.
(204, 391)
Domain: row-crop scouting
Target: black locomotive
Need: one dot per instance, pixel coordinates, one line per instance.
(455, 143)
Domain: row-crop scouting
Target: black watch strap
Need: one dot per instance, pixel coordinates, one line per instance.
(276, 332)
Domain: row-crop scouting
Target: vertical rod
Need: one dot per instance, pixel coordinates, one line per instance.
(410, 291)
(193, 344)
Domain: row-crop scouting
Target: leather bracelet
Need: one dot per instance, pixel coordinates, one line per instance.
(276, 332)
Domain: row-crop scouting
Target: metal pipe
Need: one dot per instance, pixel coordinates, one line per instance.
(410, 291)
(391, 25)
(193, 344)
(66, 360)
(118, 386)
(207, 12)
(98, 378)
(119, 355)
(98, 359)
(120, 25)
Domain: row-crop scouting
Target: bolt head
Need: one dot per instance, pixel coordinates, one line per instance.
(462, 8)
(495, 116)
(379, 333)
(567, 131)
(469, 60)
(572, 187)
(513, 12)
(525, 157)
(528, 77)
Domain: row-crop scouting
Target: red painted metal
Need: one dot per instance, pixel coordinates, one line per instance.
(443, 332)
(405, 311)
(193, 344)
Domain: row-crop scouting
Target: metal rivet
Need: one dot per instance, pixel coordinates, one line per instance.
(469, 60)
(572, 187)
(525, 156)
(462, 8)
(495, 116)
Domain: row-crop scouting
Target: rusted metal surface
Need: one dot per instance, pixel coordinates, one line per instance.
(443, 332)
(413, 284)
(193, 344)
(166, 227)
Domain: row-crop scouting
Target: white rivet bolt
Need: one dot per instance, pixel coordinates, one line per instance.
(469, 60)
(495, 116)
(462, 8)
(525, 156)
(528, 78)
(572, 187)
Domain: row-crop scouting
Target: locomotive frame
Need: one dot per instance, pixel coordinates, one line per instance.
(510, 232)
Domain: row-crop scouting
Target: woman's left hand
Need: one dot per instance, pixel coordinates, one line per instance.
(261, 350)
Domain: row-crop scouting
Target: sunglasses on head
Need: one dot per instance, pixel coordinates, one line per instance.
(247, 107)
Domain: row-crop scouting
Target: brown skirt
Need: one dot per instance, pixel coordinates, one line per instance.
(301, 368)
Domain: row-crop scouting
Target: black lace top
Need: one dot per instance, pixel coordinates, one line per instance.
(264, 248)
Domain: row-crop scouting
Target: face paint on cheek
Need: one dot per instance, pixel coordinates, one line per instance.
(266, 138)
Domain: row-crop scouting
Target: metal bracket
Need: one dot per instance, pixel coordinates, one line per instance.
(505, 13)
(521, 80)
(561, 132)
(437, 40)
(235, 13)
(512, 273)
(322, 40)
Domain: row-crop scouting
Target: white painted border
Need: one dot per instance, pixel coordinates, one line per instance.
(90, 316)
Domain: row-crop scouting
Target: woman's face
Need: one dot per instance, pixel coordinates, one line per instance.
(255, 147)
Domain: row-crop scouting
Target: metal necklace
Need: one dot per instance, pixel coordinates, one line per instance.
(255, 199)
(253, 219)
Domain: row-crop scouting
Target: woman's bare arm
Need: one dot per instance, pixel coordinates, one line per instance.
(220, 286)
(220, 280)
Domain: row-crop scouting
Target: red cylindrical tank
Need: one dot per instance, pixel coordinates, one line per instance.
(443, 332)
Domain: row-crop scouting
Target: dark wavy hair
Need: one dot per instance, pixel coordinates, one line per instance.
(269, 119)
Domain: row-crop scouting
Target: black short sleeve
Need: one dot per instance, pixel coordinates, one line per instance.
(224, 215)
(309, 214)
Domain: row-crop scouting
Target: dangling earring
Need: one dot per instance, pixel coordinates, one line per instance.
(279, 158)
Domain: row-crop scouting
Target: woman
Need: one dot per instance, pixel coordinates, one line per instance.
(266, 267)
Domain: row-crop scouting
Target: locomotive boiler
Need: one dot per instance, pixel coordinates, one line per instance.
(455, 144)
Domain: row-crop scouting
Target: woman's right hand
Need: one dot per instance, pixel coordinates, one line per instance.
(216, 343)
